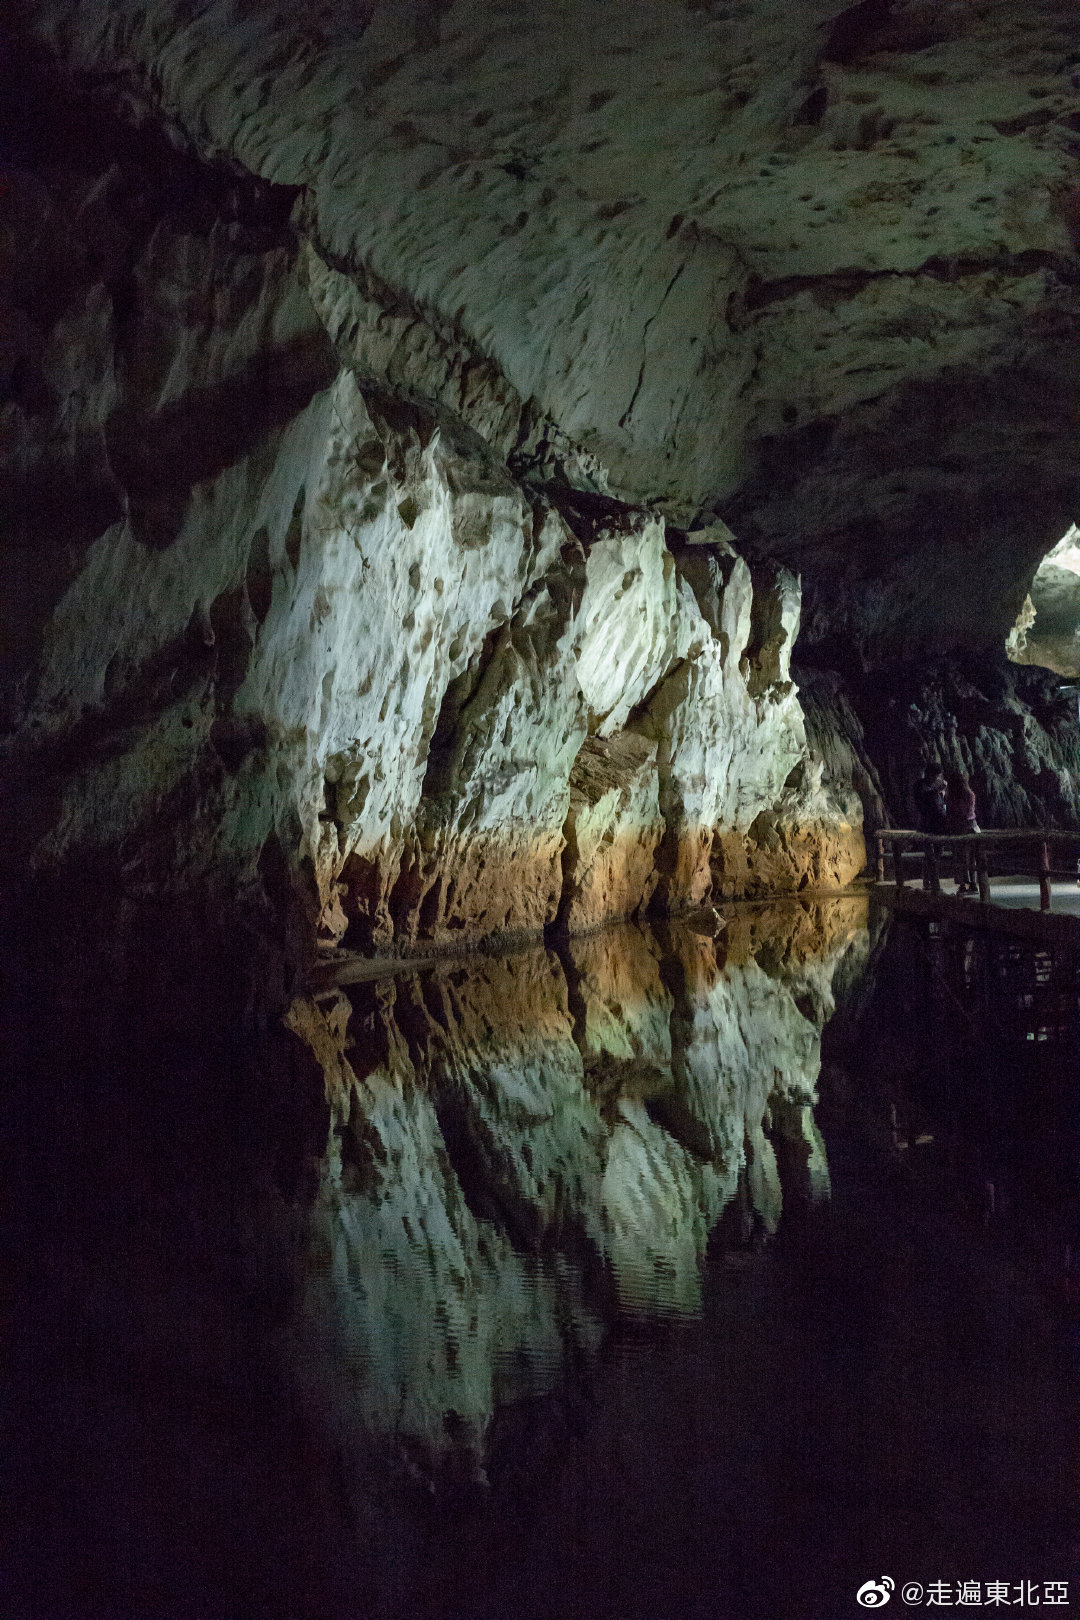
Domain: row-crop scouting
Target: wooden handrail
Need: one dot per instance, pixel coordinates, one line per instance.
(1042, 837)
(1002, 834)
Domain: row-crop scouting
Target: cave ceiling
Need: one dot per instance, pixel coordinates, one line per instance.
(808, 269)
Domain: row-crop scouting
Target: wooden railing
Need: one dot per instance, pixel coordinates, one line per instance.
(1038, 839)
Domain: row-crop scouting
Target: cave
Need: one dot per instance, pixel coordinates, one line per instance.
(499, 504)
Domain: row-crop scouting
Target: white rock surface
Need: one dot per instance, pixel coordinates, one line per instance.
(613, 829)
(327, 617)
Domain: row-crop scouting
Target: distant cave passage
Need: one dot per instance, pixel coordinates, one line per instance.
(1047, 628)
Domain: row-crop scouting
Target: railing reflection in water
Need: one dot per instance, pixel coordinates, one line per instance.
(1000, 987)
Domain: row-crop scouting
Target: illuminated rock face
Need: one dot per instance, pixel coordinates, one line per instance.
(522, 1150)
(288, 616)
(814, 271)
(375, 447)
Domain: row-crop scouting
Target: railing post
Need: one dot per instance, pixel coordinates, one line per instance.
(1044, 876)
(881, 859)
(930, 868)
(897, 861)
(982, 872)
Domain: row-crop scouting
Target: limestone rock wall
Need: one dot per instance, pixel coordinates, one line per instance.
(283, 624)
(347, 432)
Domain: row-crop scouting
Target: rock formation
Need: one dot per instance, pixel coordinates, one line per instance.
(375, 434)
(817, 271)
(1011, 730)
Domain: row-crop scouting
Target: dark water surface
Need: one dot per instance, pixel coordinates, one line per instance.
(659, 1275)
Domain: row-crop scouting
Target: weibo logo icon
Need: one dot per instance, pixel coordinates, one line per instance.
(875, 1594)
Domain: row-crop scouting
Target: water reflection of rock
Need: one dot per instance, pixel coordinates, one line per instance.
(522, 1148)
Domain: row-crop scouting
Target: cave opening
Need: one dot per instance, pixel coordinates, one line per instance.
(1047, 628)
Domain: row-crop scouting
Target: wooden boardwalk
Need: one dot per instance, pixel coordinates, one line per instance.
(1026, 849)
(1025, 891)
